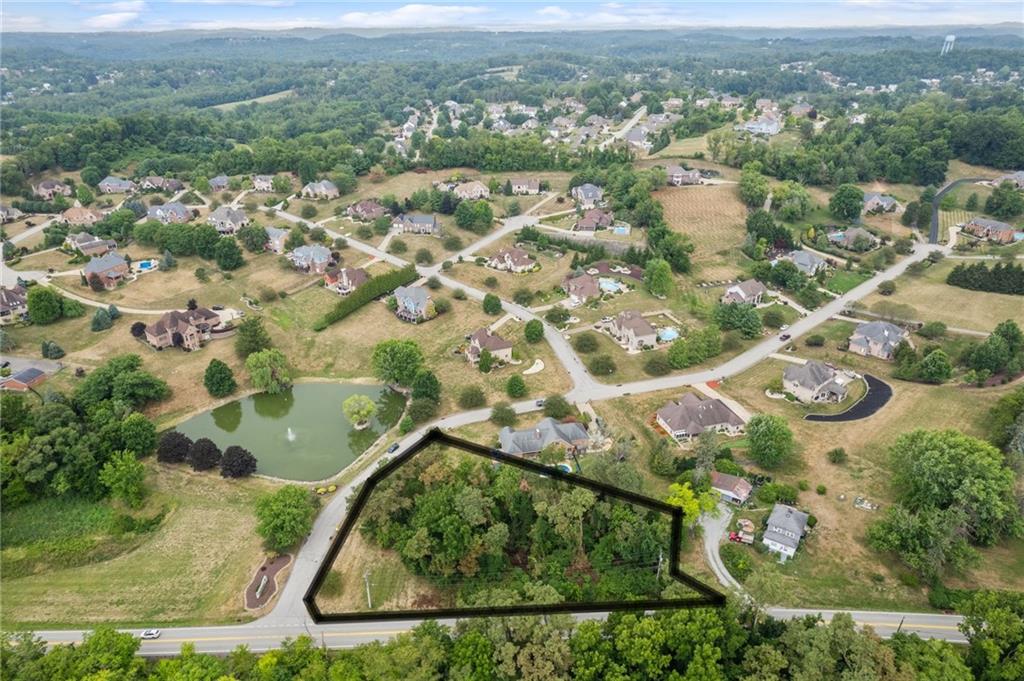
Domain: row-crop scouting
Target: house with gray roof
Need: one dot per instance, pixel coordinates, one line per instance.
(877, 339)
(414, 304)
(312, 259)
(416, 223)
(749, 292)
(168, 213)
(110, 268)
(227, 220)
(116, 185)
(813, 382)
(13, 303)
(521, 185)
(854, 239)
(993, 230)
(8, 213)
(690, 415)
(634, 332)
(879, 203)
(47, 189)
(571, 436)
(219, 183)
(263, 183)
(679, 176)
(786, 527)
(587, 195)
(89, 244)
(808, 263)
(324, 189)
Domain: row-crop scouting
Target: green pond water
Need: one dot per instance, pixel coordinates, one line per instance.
(301, 434)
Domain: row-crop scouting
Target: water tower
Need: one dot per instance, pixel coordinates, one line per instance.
(947, 46)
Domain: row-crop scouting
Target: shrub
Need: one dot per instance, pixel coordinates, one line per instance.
(472, 397)
(219, 379)
(424, 257)
(173, 447)
(657, 365)
(803, 485)
(932, 330)
(422, 409)
(398, 246)
(534, 331)
(442, 305)
(453, 243)
(492, 304)
(821, 490)
(737, 561)
(602, 365)
(585, 342)
(434, 283)
(138, 329)
(204, 455)
(773, 318)
(406, 425)
(503, 415)
(491, 282)
(515, 386)
(836, 456)
(523, 296)
(459, 294)
(50, 350)
(777, 492)
(815, 340)
(101, 321)
(237, 463)
(557, 407)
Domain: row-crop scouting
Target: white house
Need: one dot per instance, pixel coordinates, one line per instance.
(786, 527)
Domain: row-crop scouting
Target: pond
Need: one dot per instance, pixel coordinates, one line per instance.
(301, 434)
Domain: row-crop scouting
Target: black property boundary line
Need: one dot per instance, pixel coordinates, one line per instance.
(709, 597)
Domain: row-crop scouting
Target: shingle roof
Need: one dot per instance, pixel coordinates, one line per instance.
(787, 519)
(103, 263)
(693, 415)
(633, 320)
(809, 375)
(546, 432)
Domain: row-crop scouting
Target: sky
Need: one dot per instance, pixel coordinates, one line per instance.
(159, 15)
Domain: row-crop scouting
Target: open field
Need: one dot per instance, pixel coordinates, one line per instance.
(192, 569)
(404, 184)
(929, 298)
(713, 217)
(545, 280)
(272, 97)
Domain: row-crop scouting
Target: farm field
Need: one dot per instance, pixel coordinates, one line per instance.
(713, 218)
(272, 97)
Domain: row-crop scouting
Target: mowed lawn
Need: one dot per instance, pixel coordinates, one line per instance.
(192, 569)
(713, 218)
(929, 298)
(547, 280)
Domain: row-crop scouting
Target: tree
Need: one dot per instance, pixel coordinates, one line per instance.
(424, 257)
(138, 434)
(84, 195)
(101, 321)
(935, 367)
(753, 185)
(1005, 202)
(602, 365)
(281, 184)
(113, 312)
(253, 237)
(485, 362)
(124, 475)
(492, 304)
(502, 414)
(205, 239)
(658, 365)
(585, 342)
(237, 463)
(359, 409)
(71, 308)
(472, 397)
(994, 626)
(50, 350)
(44, 305)
(421, 410)
(771, 441)
(773, 318)
(693, 504)
(887, 287)
(738, 316)
(284, 517)
(658, 277)
(296, 238)
(204, 455)
(268, 371)
(173, 448)
(534, 331)
(847, 202)
(251, 337)
(515, 386)
(972, 202)
(557, 407)
(397, 361)
(426, 386)
(308, 211)
(909, 217)
(228, 254)
(219, 379)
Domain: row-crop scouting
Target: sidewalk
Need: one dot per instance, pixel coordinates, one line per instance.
(737, 408)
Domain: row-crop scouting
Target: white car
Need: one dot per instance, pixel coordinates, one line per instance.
(783, 327)
(150, 635)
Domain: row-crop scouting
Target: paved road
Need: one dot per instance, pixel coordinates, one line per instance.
(933, 236)
(714, 528)
(621, 132)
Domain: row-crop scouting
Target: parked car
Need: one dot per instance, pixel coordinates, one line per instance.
(393, 448)
(785, 337)
(217, 308)
(150, 634)
(539, 403)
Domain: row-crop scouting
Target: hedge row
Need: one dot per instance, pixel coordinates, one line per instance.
(372, 289)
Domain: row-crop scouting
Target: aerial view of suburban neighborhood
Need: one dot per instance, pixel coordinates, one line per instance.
(468, 340)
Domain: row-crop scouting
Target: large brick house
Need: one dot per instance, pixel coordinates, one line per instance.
(187, 329)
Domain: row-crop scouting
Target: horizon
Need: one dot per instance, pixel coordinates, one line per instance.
(280, 16)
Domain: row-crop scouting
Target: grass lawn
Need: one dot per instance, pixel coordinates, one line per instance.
(929, 298)
(434, 245)
(192, 569)
(46, 260)
(842, 281)
(272, 97)
(404, 184)
(553, 270)
(713, 217)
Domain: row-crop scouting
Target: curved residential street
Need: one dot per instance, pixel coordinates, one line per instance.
(288, 618)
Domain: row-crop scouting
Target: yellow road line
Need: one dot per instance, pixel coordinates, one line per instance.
(908, 626)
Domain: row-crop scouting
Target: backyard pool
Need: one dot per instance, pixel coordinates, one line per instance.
(668, 334)
(610, 285)
(146, 265)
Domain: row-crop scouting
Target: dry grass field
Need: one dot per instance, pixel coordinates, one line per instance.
(550, 275)
(272, 97)
(713, 217)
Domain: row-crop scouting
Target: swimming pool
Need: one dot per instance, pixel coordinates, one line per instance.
(610, 285)
(621, 230)
(669, 333)
(146, 265)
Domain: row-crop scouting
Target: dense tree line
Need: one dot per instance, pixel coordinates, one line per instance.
(1000, 278)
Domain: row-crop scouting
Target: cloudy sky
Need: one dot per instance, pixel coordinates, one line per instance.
(148, 15)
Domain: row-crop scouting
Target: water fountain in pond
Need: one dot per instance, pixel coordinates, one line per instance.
(291, 435)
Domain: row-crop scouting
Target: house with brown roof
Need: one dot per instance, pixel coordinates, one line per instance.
(473, 189)
(749, 292)
(110, 268)
(992, 230)
(688, 417)
(732, 488)
(630, 329)
(481, 340)
(593, 220)
(155, 182)
(47, 189)
(324, 189)
(227, 220)
(79, 216)
(581, 288)
(263, 183)
(877, 339)
(13, 303)
(511, 259)
(345, 280)
(186, 329)
(89, 244)
(524, 186)
(366, 210)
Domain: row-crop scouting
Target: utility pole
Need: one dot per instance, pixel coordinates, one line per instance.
(366, 580)
(661, 557)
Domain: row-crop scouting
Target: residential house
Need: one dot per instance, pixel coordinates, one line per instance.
(79, 215)
(801, 110)
(88, 244)
(186, 329)
(522, 185)
(593, 220)
(805, 261)
(324, 189)
(763, 104)
(9, 213)
(581, 288)
(116, 185)
(877, 339)
(511, 259)
(472, 190)
(416, 223)
(631, 329)
(587, 195)
(730, 102)
(13, 303)
(678, 176)
(993, 230)
(414, 304)
(110, 268)
(812, 382)
(570, 436)
(47, 189)
(219, 183)
(263, 183)
(637, 138)
(276, 237)
(312, 259)
(879, 203)
(854, 239)
(345, 280)
(672, 104)
(786, 527)
(481, 340)
(749, 292)
(598, 121)
(690, 415)
(24, 380)
(227, 220)
(366, 210)
(732, 488)
(767, 125)
(155, 182)
(501, 125)
(1015, 178)
(168, 213)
